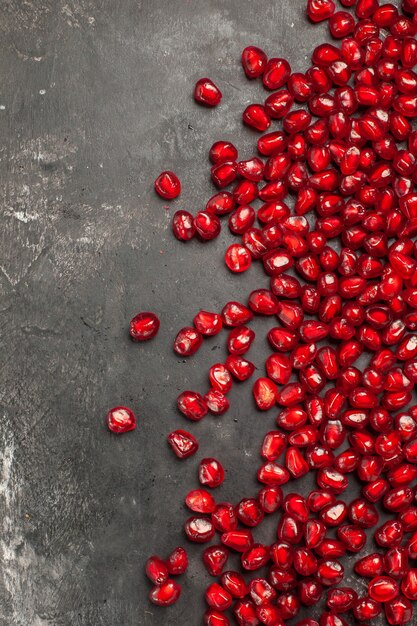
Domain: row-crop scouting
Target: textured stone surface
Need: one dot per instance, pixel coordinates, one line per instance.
(95, 102)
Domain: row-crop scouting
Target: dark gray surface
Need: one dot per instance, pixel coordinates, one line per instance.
(95, 102)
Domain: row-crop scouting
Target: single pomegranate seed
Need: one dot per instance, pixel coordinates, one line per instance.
(168, 185)
(236, 314)
(177, 562)
(330, 572)
(183, 225)
(210, 473)
(207, 225)
(166, 594)
(192, 405)
(276, 74)
(256, 116)
(156, 570)
(264, 392)
(215, 558)
(200, 501)
(187, 341)
(249, 512)
(120, 420)
(216, 401)
(199, 529)
(144, 326)
(238, 258)
(255, 557)
(245, 613)
(398, 610)
(183, 444)
(206, 93)
(208, 323)
(222, 151)
(238, 540)
(254, 61)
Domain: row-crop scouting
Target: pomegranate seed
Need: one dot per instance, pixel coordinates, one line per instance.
(192, 405)
(255, 557)
(206, 93)
(187, 341)
(207, 225)
(215, 558)
(254, 61)
(156, 570)
(200, 501)
(235, 584)
(207, 323)
(183, 444)
(245, 613)
(120, 420)
(264, 392)
(320, 10)
(210, 473)
(166, 594)
(222, 151)
(183, 225)
(238, 540)
(398, 610)
(168, 185)
(177, 562)
(236, 314)
(276, 74)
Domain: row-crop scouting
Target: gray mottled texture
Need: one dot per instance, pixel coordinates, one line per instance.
(95, 102)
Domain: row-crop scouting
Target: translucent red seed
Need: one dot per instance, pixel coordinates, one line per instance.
(120, 420)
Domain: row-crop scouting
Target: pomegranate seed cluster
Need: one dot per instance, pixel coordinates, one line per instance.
(334, 228)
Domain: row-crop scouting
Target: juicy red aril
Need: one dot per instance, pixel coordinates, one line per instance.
(254, 61)
(192, 405)
(199, 529)
(183, 444)
(210, 472)
(156, 570)
(187, 341)
(215, 618)
(200, 501)
(206, 93)
(207, 225)
(208, 323)
(168, 185)
(177, 562)
(183, 225)
(166, 594)
(144, 326)
(238, 258)
(215, 558)
(222, 151)
(120, 420)
(217, 597)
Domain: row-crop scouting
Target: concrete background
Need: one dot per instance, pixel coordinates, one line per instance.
(96, 100)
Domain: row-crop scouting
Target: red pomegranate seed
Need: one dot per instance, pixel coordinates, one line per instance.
(254, 61)
(216, 401)
(245, 613)
(187, 341)
(183, 444)
(319, 10)
(200, 501)
(256, 116)
(177, 562)
(235, 584)
(183, 225)
(222, 151)
(276, 74)
(166, 594)
(255, 557)
(249, 512)
(156, 570)
(210, 473)
(120, 420)
(168, 185)
(144, 326)
(215, 558)
(208, 323)
(206, 93)
(199, 529)
(207, 225)
(192, 405)
(398, 610)
(238, 258)
(383, 589)
(238, 540)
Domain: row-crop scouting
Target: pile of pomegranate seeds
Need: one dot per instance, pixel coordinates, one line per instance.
(334, 226)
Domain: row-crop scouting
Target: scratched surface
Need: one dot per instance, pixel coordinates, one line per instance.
(95, 102)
